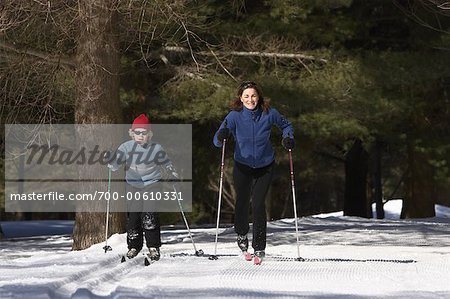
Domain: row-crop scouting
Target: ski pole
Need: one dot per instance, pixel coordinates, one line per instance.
(291, 165)
(107, 247)
(214, 257)
(197, 252)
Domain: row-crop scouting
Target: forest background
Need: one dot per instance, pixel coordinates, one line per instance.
(365, 84)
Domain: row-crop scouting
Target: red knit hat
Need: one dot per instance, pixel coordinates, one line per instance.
(141, 122)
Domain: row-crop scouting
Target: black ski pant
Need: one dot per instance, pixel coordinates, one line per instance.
(141, 223)
(252, 183)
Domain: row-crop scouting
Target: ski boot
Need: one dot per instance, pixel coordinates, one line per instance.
(242, 242)
(153, 253)
(132, 253)
(259, 255)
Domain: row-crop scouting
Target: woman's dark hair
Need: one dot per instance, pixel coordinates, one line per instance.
(236, 103)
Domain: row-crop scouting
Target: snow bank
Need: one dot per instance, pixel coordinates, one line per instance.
(392, 210)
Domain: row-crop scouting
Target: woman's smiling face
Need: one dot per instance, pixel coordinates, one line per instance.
(250, 98)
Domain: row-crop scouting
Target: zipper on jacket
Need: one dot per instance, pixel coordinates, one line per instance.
(253, 135)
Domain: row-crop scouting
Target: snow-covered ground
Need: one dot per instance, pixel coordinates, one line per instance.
(345, 257)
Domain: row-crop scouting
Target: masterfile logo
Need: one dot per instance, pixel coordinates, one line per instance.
(66, 168)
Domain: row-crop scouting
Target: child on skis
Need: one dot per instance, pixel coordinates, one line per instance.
(145, 163)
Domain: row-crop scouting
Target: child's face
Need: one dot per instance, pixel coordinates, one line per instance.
(141, 136)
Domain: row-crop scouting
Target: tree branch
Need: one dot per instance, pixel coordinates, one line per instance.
(249, 54)
(66, 61)
(277, 55)
(441, 4)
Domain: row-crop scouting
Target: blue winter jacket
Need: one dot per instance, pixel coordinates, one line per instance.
(251, 132)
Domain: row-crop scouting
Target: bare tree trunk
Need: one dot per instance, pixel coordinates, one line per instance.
(2, 209)
(2, 235)
(20, 187)
(97, 102)
(378, 189)
(419, 198)
(356, 165)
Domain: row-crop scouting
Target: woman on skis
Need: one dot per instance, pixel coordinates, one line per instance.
(250, 123)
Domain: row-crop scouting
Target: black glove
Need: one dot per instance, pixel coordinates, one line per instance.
(172, 173)
(108, 157)
(173, 177)
(288, 143)
(223, 133)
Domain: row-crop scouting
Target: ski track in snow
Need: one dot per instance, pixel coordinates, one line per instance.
(345, 257)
